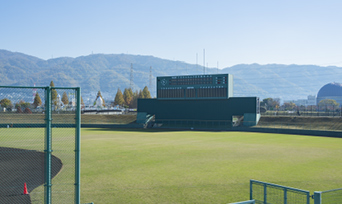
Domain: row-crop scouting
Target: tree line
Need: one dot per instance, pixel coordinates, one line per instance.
(37, 101)
(126, 99)
(274, 104)
(129, 99)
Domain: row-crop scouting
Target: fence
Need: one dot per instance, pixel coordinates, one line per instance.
(40, 144)
(268, 193)
(263, 192)
(328, 197)
(308, 112)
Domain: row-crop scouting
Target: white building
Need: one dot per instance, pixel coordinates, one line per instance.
(310, 101)
(99, 102)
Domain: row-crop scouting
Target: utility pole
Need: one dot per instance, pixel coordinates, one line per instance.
(131, 77)
(196, 60)
(217, 67)
(203, 61)
(150, 85)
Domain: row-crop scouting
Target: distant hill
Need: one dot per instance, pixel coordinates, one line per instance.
(108, 72)
(289, 82)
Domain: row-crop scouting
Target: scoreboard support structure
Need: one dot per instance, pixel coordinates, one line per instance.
(194, 99)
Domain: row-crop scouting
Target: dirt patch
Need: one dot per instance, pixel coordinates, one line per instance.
(19, 166)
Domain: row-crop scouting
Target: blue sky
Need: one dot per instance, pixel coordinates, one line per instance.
(231, 31)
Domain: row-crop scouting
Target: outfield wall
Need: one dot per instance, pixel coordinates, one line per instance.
(200, 110)
(209, 109)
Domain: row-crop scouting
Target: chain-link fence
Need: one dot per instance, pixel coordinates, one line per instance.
(316, 111)
(39, 145)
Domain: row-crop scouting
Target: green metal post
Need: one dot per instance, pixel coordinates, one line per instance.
(285, 195)
(265, 193)
(251, 190)
(48, 145)
(78, 149)
(317, 197)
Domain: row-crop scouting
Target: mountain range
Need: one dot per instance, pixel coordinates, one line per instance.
(108, 72)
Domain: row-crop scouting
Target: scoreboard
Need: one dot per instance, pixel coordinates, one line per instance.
(211, 86)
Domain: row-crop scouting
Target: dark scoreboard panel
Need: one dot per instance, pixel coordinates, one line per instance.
(195, 86)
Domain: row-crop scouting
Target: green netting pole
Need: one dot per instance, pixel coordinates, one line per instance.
(78, 148)
(48, 145)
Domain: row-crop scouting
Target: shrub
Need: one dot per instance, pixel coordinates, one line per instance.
(19, 110)
(27, 110)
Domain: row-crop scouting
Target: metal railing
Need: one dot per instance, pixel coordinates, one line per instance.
(328, 197)
(269, 193)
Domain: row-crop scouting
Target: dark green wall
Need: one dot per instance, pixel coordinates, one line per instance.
(208, 109)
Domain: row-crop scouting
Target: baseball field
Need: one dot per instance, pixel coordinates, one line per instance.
(134, 166)
(160, 166)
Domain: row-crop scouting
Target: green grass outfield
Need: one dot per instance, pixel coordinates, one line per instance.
(131, 166)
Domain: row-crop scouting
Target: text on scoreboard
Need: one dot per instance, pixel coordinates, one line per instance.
(208, 86)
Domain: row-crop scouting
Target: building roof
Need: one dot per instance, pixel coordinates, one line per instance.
(331, 89)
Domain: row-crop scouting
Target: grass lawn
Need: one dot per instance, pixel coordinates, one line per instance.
(130, 166)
